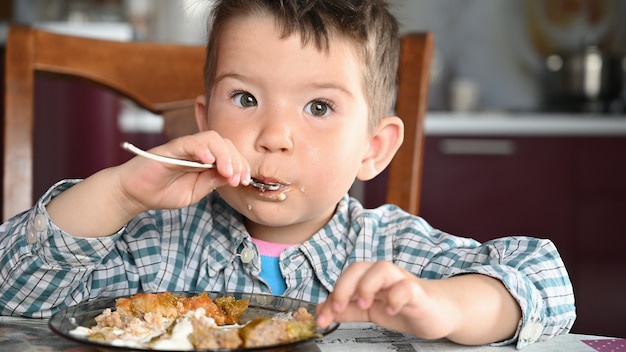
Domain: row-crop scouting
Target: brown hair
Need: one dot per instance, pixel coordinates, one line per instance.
(367, 23)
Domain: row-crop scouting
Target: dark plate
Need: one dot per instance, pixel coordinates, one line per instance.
(261, 305)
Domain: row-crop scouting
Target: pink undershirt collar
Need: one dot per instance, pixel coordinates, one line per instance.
(271, 249)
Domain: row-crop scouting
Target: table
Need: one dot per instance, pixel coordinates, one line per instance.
(20, 335)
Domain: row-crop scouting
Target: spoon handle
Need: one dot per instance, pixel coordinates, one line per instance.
(164, 159)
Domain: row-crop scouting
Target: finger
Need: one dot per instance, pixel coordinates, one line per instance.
(344, 290)
(400, 295)
(342, 293)
(325, 314)
(239, 164)
(193, 147)
(211, 147)
(378, 277)
(223, 153)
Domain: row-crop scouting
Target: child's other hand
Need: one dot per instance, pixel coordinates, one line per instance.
(471, 309)
(153, 185)
(388, 296)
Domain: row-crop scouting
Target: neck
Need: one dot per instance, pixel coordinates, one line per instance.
(292, 234)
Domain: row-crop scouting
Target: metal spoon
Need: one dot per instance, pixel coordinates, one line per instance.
(264, 186)
(165, 159)
(169, 160)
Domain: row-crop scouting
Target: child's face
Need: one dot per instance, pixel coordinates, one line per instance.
(299, 115)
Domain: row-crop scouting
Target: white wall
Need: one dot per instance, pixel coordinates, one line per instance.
(487, 42)
(475, 41)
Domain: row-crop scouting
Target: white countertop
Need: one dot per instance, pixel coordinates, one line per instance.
(523, 124)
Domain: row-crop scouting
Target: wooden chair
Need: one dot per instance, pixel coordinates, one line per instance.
(165, 79)
(401, 182)
(404, 174)
(162, 78)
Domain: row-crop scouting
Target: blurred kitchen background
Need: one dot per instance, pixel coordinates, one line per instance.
(511, 55)
(525, 131)
(530, 55)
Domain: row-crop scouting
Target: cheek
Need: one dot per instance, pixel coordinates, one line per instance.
(217, 113)
(336, 167)
(227, 127)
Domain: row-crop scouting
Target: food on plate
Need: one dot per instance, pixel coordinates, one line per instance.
(164, 321)
(278, 330)
(224, 310)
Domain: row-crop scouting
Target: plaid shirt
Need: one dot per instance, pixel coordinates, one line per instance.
(198, 248)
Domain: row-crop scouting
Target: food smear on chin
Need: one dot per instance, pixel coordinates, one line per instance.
(273, 195)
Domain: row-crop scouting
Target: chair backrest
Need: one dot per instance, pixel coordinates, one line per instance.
(165, 79)
(162, 78)
(404, 179)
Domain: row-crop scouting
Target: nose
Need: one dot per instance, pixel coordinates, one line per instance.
(276, 134)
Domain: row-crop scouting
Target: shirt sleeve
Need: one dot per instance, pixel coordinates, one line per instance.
(534, 273)
(530, 268)
(41, 267)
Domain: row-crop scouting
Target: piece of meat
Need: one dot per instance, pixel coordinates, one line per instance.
(264, 332)
(210, 337)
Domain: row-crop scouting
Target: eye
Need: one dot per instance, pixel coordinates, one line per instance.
(319, 108)
(244, 99)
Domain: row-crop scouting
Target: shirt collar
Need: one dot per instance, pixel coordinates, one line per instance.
(228, 232)
(326, 251)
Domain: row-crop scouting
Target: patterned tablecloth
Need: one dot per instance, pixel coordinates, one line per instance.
(28, 335)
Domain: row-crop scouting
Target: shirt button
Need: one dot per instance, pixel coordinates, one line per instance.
(31, 236)
(40, 223)
(247, 255)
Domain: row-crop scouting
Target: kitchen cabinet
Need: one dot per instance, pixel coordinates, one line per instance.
(486, 193)
(599, 272)
(570, 189)
(77, 131)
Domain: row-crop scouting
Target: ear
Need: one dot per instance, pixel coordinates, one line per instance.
(201, 113)
(384, 144)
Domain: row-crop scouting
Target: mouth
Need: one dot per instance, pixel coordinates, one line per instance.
(265, 186)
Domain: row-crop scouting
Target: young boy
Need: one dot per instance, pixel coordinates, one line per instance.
(297, 98)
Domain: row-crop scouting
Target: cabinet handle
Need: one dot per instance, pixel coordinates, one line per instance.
(477, 147)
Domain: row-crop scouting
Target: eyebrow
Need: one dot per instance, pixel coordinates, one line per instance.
(332, 86)
(229, 75)
(324, 85)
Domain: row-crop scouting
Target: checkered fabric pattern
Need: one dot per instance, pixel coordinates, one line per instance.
(43, 269)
